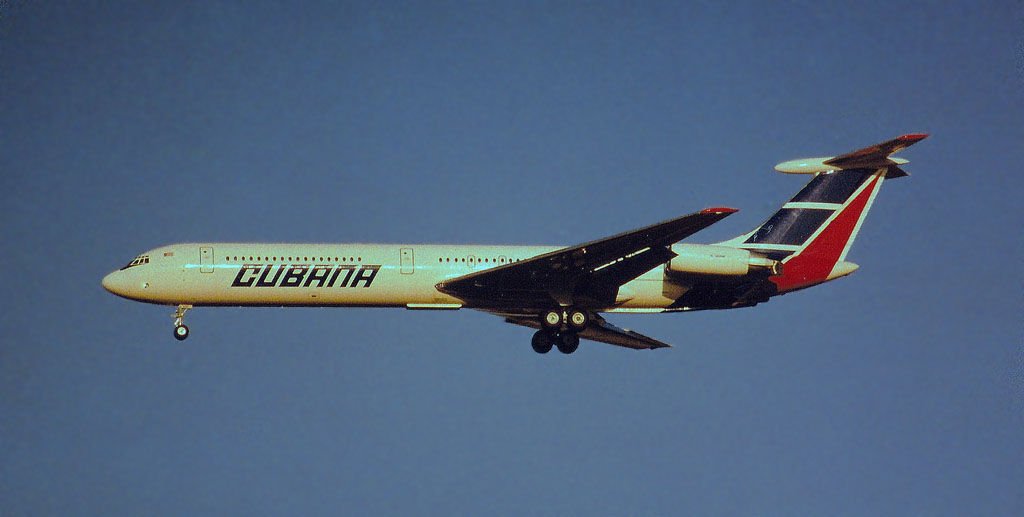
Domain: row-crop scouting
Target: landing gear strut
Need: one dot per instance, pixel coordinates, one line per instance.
(180, 330)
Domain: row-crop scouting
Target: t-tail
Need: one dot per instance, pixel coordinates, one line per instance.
(812, 233)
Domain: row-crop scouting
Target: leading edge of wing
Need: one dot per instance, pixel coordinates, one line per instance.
(587, 257)
(599, 330)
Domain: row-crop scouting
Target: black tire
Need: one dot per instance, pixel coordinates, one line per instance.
(181, 332)
(551, 320)
(568, 342)
(578, 319)
(542, 342)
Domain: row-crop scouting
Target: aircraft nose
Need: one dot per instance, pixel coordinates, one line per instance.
(112, 283)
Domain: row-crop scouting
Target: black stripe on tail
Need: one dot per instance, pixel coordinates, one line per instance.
(793, 225)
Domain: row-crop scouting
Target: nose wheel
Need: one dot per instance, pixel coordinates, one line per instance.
(180, 332)
(180, 329)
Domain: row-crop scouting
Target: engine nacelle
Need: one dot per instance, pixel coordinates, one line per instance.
(705, 259)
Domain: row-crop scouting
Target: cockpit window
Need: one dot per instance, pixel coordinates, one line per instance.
(137, 261)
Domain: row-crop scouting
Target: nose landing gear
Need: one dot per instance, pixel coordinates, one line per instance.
(180, 330)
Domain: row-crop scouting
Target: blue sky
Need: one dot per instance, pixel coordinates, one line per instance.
(899, 390)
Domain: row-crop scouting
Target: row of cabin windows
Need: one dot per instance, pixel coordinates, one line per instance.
(486, 260)
(289, 259)
(500, 260)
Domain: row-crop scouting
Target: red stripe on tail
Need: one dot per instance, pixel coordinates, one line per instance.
(814, 264)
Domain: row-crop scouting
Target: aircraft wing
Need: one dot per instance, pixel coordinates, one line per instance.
(600, 330)
(588, 274)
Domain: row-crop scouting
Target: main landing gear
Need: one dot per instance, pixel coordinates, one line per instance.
(180, 330)
(566, 342)
(560, 328)
(564, 319)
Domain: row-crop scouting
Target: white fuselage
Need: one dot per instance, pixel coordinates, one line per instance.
(368, 275)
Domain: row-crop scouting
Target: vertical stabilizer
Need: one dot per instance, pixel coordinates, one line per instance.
(813, 232)
(826, 247)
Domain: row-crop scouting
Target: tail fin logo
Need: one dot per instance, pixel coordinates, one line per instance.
(814, 262)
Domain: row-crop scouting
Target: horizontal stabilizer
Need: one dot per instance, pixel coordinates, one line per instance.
(876, 155)
(873, 157)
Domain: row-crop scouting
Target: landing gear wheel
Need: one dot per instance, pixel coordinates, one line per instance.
(578, 319)
(542, 342)
(568, 342)
(180, 332)
(551, 320)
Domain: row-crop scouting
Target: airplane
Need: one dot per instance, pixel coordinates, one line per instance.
(559, 291)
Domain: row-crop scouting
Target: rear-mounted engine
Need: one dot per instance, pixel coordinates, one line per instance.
(704, 259)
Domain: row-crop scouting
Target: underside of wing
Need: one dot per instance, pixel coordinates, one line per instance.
(599, 330)
(586, 275)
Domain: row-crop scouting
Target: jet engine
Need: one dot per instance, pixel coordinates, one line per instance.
(706, 259)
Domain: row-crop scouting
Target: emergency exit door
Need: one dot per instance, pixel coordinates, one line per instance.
(408, 265)
(206, 259)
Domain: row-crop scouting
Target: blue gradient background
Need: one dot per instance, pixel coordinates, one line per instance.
(897, 391)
